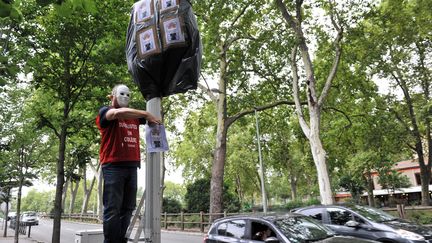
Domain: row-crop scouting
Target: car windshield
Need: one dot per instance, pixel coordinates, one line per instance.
(303, 229)
(30, 214)
(373, 214)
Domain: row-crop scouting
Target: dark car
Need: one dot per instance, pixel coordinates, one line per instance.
(368, 223)
(11, 216)
(288, 228)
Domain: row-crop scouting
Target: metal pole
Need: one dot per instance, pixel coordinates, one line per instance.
(152, 213)
(264, 197)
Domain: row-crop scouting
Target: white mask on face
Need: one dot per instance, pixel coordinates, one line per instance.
(122, 95)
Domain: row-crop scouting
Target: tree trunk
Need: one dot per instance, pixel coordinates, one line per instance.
(216, 183)
(319, 157)
(59, 186)
(315, 102)
(99, 198)
(239, 189)
(318, 154)
(426, 80)
(88, 192)
(293, 185)
(85, 189)
(74, 191)
(371, 200)
(425, 178)
(64, 194)
(415, 132)
(424, 169)
(8, 196)
(18, 211)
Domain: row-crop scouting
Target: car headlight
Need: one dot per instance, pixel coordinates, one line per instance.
(409, 235)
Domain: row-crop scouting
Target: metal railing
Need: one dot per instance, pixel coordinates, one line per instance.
(22, 227)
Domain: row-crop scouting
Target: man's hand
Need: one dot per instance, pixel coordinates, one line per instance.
(152, 119)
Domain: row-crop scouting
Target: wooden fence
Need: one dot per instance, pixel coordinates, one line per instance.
(401, 209)
(200, 222)
(197, 222)
(189, 221)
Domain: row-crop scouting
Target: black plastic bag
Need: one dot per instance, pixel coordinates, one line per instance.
(163, 48)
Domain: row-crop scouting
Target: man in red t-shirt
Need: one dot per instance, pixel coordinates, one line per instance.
(120, 157)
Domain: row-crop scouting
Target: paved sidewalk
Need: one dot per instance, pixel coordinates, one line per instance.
(10, 237)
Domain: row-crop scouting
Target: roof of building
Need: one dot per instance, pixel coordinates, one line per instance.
(406, 164)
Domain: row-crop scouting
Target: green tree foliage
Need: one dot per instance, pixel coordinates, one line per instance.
(287, 156)
(242, 163)
(354, 185)
(74, 54)
(80, 198)
(38, 201)
(360, 134)
(24, 158)
(394, 44)
(232, 34)
(42, 201)
(171, 205)
(174, 191)
(193, 148)
(197, 195)
(392, 180)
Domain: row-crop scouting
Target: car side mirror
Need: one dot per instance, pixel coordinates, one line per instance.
(352, 223)
(271, 240)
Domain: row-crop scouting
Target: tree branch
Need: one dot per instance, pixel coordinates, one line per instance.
(403, 85)
(338, 52)
(287, 16)
(231, 41)
(45, 122)
(411, 147)
(208, 92)
(343, 113)
(239, 15)
(399, 118)
(298, 10)
(78, 74)
(241, 114)
(296, 95)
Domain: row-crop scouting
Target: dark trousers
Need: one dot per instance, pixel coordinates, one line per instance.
(119, 200)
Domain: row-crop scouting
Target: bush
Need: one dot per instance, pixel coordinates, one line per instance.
(198, 195)
(171, 205)
(420, 217)
(297, 203)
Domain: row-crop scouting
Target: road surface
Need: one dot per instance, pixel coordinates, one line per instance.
(43, 232)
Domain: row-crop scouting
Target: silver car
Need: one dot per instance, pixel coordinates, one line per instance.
(30, 218)
(369, 223)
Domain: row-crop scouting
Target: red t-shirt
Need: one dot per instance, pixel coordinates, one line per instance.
(119, 139)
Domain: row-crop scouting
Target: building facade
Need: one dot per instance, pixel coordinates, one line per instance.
(387, 197)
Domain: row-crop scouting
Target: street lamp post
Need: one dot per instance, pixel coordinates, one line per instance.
(152, 230)
(264, 197)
